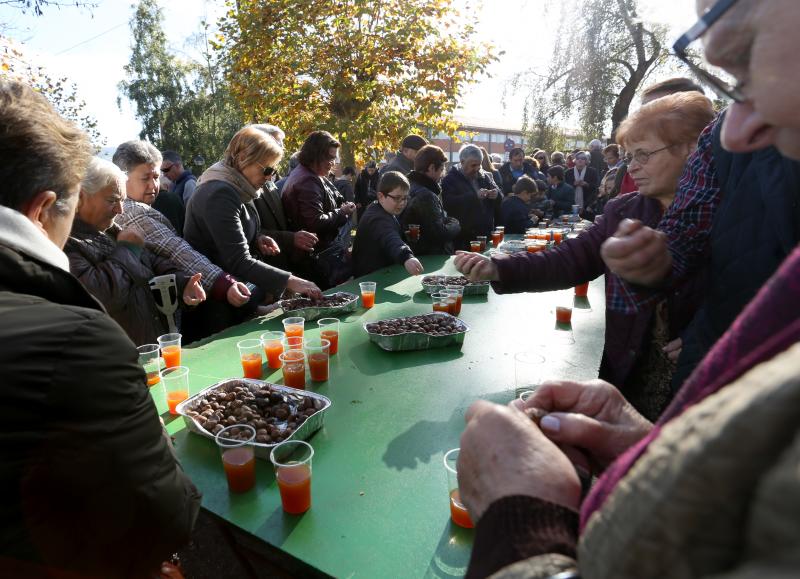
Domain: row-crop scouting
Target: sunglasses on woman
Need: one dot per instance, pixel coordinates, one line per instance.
(268, 171)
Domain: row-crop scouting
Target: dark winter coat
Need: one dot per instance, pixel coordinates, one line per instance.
(590, 190)
(476, 216)
(312, 203)
(576, 261)
(90, 483)
(437, 230)
(515, 215)
(366, 188)
(117, 274)
(563, 198)
(171, 206)
(508, 178)
(184, 186)
(274, 224)
(400, 164)
(379, 242)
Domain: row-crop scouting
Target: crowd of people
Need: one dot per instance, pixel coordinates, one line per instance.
(690, 432)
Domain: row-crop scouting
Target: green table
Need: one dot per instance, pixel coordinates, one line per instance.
(380, 503)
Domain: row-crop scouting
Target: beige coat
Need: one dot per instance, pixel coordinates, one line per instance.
(716, 495)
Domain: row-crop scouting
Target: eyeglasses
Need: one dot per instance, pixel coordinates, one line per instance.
(643, 157)
(397, 198)
(267, 171)
(540, 157)
(720, 87)
(166, 170)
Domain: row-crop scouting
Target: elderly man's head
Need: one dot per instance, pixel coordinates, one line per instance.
(141, 162)
(756, 42)
(44, 160)
(171, 165)
(470, 157)
(102, 194)
(581, 159)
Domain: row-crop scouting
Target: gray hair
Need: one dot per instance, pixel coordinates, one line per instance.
(133, 153)
(294, 160)
(595, 144)
(100, 174)
(470, 151)
(273, 131)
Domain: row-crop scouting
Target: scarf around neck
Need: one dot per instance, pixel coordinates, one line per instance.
(222, 172)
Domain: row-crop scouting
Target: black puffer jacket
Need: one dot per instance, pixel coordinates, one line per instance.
(89, 481)
(378, 242)
(117, 275)
(437, 231)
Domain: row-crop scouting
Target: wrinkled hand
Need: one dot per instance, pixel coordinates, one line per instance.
(673, 350)
(413, 266)
(476, 266)
(503, 453)
(348, 208)
(131, 235)
(592, 416)
(267, 245)
(637, 254)
(305, 241)
(301, 286)
(238, 294)
(194, 293)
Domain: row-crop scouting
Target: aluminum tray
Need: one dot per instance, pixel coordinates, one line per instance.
(315, 312)
(479, 288)
(417, 340)
(304, 432)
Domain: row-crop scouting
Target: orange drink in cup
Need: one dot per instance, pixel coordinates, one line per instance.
(367, 293)
(293, 363)
(273, 348)
(292, 462)
(170, 345)
(458, 511)
(238, 457)
(250, 355)
(329, 330)
(150, 360)
(176, 385)
(318, 355)
(293, 327)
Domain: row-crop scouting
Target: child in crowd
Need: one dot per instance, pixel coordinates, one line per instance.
(515, 210)
(561, 194)
(379, 242)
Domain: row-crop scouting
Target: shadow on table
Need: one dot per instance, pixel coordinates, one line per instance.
(422, 441)
(452, 553)
(370, 360)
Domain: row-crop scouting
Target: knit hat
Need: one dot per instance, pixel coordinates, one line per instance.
(413, 142)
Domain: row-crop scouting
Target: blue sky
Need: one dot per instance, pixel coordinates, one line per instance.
(522, 28)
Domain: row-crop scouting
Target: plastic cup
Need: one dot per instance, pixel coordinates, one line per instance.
(482, 240)
(497, 238)
(475, 246)
(292, 343)
(582, 290)
(250, 352)
(367, 293)
(292, 462)
(170, 345)
(318, 355)
(413, 232)
(563, 315)
(458, 511)
(441, 302)
(238, 458)
(528, 368)
(150, 360)
(176, 385)
(458, 292)
(293, 327)
(273, 348)
(329, 330)
(293, 364)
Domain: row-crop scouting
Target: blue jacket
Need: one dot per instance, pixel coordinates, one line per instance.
(476, 216)
(507, 176)
(184, 186)
(515, 215)
(563, 198)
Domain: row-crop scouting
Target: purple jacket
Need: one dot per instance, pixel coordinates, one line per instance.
(578, 260)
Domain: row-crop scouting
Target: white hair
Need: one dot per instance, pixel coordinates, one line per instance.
(273, 131)
(595, 144)
(470, 151)
(100, 174)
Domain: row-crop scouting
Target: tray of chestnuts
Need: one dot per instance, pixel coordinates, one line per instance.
(329, 306)
(434, 330)
(276, 412)
(433, 283)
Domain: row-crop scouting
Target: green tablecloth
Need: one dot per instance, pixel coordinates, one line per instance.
(380, 503)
